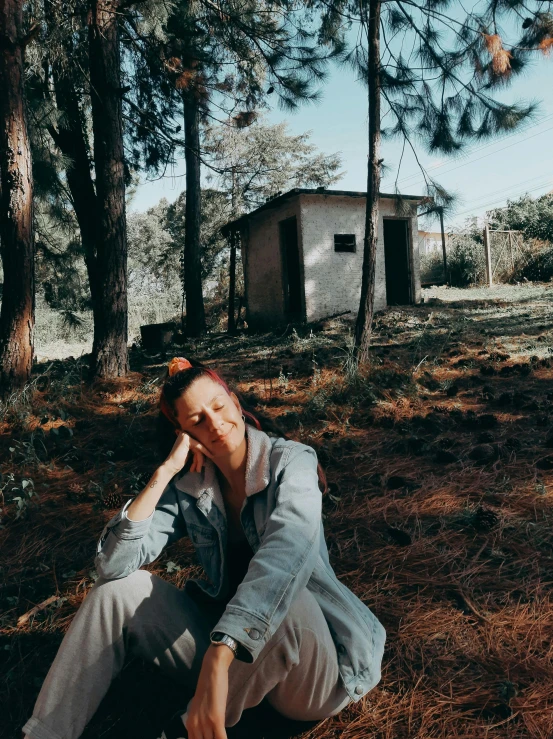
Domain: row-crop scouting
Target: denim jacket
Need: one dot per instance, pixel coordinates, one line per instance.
(282, 521)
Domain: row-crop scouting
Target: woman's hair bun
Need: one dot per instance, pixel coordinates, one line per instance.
(178, 364)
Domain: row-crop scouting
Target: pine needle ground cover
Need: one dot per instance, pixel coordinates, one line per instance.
(439, 513)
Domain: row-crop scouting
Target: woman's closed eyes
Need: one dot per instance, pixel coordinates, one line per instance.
(202, 418)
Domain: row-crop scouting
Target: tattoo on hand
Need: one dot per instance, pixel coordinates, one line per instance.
(153, 484)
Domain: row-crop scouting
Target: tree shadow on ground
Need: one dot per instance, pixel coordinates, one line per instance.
(444, 543)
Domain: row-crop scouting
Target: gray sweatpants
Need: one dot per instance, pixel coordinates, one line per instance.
(144, 616)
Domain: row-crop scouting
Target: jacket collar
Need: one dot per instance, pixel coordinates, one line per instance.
(204, 484)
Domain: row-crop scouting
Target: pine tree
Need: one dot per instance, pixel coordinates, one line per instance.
(109, 351)
(172, 57)
(251, 164)
(434, 69)
(81, 87)
(16, 206)
(260, 43)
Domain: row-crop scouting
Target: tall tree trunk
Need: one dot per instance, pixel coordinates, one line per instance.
(17, 245)
(70, 137)
(363, 325)
(109, 351)
(195, 313)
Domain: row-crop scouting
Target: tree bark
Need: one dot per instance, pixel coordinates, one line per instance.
(363, 325)
(17, 244)
(195, 313)
(71, 139)
(109, 351)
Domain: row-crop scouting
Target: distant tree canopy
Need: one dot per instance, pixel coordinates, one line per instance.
(251, 164)
(532, 216)
(156, 240)
(265, 158)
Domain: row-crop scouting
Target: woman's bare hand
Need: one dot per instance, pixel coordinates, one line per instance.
(207, 709)
(183, 446)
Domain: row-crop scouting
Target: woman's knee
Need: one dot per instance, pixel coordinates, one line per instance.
(305, 613)
(135, 586)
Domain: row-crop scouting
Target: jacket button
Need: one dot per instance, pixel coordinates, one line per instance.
(359, 690)
(254, 634)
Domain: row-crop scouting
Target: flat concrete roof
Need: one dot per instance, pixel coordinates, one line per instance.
(317, 191)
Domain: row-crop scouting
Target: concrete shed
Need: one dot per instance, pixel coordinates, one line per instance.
(303, 254)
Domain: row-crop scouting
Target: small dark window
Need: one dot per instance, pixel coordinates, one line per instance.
(344, 242)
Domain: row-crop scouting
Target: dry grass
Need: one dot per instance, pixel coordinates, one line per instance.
(439, 513)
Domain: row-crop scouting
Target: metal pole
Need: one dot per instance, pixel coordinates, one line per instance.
(511, 250)
(231, 326)
(488, 255)
(443, 245)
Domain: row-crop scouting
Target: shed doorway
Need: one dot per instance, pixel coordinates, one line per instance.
(291, 270)
(397, 263)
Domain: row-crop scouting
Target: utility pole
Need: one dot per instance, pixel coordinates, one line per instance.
(443, 245)
(488, 255)
(233, 238)
(511, 250)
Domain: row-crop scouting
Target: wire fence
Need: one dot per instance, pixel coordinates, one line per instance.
(511, 258)
(508, 252)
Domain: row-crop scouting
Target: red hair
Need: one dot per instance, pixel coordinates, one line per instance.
(167, 409)
(182, 373)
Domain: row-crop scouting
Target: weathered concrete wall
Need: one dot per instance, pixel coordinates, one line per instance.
(332, 279)
(415, 257)
(263, 263)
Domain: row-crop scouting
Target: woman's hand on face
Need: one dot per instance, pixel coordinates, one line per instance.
(183, 446)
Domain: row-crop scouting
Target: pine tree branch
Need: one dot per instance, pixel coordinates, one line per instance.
(484, 99)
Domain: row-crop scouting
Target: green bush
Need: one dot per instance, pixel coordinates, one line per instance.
(465, 259)
(432, 268)
(532, 216)
(538, 268)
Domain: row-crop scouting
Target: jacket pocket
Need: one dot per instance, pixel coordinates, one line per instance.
(202, 536)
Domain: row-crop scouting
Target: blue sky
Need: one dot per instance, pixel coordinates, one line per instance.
(485, 176)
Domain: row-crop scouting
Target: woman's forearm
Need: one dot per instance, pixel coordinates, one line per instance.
(145, 502)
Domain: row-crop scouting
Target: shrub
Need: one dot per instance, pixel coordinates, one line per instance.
(538, 267)
(465, 259)
(432, 268)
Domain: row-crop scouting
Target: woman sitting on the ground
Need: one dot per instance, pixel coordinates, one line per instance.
(272, 620)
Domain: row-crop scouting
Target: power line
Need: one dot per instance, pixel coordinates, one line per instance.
(496, 202)
(509, 146)
(505, 189)
(481, 148)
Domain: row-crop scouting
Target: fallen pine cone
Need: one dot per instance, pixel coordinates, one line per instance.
(484, 519)
(112, 500)
(483, 453)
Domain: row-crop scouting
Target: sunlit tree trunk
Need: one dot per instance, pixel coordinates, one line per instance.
(363, 326)
(16, 207)
(109, 351)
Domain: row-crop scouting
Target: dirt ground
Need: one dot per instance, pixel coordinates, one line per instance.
(439, 513)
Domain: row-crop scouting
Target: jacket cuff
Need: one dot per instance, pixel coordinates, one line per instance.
(125, 528)
(251, 632)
